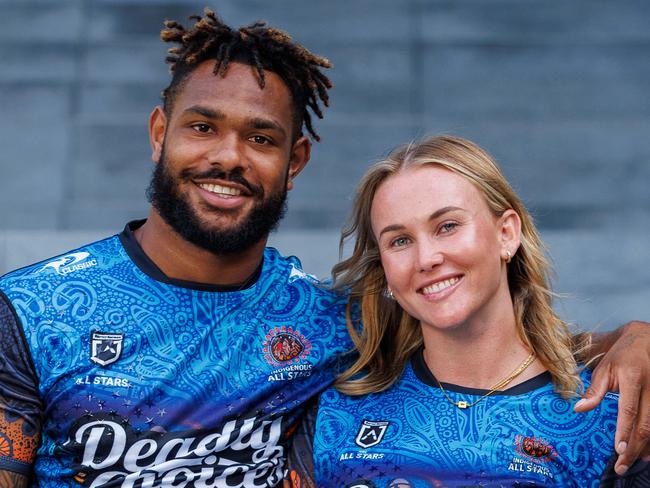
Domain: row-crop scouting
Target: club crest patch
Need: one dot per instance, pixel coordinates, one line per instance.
(534, 447)
(371, 433)
(533, 455)
(286, 350)
(284, 345)
(105, 348)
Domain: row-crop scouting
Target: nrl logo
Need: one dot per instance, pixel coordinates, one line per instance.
(371, 433)
(105, 348)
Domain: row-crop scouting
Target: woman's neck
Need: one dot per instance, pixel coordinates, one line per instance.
(478, 355)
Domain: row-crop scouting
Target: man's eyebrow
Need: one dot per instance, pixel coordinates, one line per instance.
(433, 216)
(260, 123)
(206, 112)
(254, 122)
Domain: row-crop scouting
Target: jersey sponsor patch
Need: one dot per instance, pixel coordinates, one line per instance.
(371, 433)
(105, 348)
(241, 452)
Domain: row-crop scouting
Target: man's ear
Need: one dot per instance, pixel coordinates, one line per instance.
(509, 232)
(300, 154)
(157, 127)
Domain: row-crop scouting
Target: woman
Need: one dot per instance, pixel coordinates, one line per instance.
(465, 376)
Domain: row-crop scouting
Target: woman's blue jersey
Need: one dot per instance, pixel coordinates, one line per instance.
(412, 436)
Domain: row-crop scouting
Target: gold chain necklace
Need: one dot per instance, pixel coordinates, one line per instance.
(463, 404)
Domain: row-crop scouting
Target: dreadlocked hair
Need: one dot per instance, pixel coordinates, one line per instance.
(262, 47)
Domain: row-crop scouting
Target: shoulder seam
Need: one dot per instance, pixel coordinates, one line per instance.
(50, 258)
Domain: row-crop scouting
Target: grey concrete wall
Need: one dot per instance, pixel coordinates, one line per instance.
(557, 91)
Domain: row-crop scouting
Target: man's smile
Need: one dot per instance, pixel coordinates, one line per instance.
(221, 190)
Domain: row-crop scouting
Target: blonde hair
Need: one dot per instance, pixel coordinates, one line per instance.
(389, 335)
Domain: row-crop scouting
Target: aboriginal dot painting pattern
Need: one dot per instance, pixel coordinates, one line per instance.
(532, 439)
(176, 359)
(16, 440)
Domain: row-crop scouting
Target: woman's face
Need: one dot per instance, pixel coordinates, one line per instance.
(442, 249)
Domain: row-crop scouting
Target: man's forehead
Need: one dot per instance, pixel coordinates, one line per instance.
(240, 80)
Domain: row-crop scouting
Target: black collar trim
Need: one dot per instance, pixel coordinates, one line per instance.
(147, 266)
(424, 374)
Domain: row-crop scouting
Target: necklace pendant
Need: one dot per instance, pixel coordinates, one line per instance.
(461, 404)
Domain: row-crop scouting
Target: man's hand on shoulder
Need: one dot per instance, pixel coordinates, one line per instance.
(9, 479)
(624, 367)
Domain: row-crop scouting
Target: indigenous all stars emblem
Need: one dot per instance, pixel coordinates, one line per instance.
(284, 345)
(371, 433)
(534, 456)
(105, 348)
(535, 448)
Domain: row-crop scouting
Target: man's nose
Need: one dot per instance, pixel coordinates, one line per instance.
(227, 153)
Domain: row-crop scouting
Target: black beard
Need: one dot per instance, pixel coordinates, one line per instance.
(176, 210)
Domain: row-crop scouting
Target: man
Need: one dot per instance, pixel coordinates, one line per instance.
(181, 352)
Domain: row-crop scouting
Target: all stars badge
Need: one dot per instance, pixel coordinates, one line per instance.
(371, 433)
(105, 348)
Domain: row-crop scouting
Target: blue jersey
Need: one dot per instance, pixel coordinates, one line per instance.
(141, 380)
(411, 436)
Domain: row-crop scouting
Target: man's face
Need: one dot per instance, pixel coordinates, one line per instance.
(226, 158)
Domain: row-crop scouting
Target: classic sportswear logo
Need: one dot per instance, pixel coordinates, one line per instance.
(70, 263)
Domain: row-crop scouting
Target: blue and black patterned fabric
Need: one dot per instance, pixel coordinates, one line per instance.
(146, 381)
(412, 436)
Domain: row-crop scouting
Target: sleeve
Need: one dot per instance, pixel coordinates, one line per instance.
(21, 410)
(300, 460)
(638, 476)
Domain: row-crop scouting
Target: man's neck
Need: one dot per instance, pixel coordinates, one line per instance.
(180, 259)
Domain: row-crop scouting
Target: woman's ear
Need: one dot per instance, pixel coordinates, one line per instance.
(509, 228)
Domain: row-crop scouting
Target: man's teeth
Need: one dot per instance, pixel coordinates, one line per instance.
(441, 285)
(223, 190)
